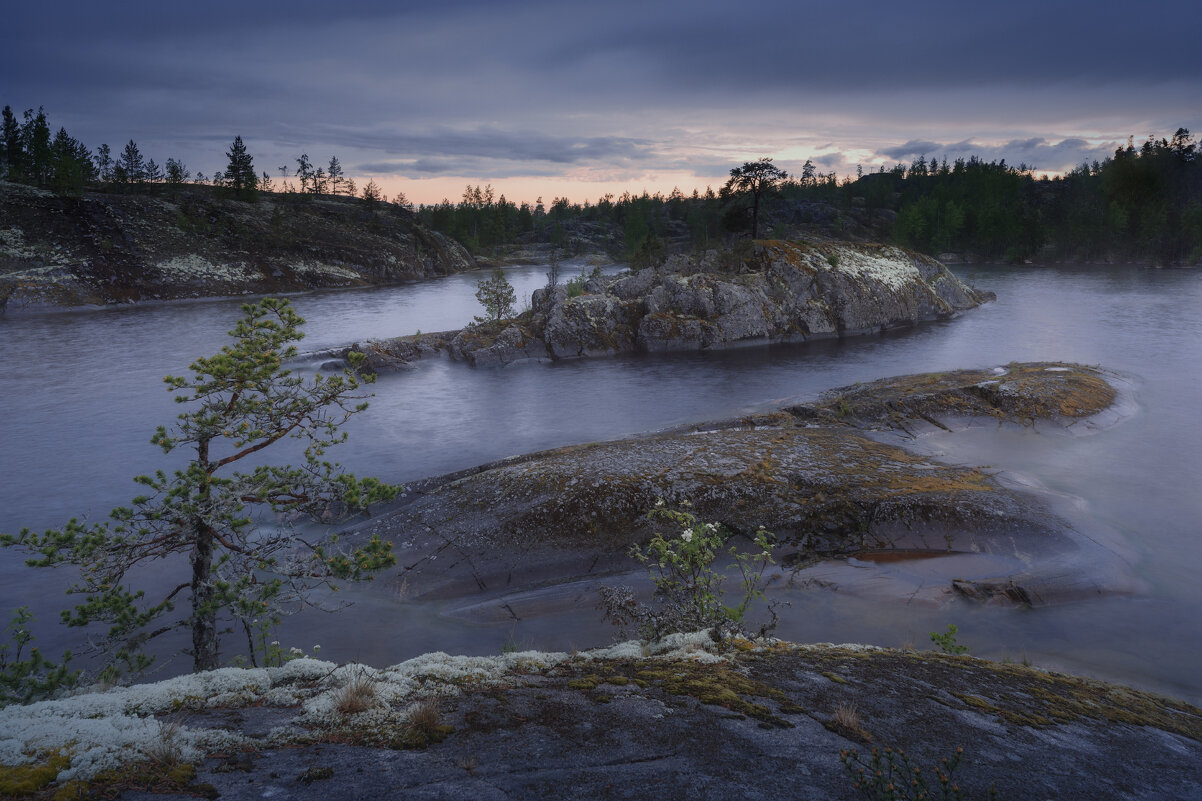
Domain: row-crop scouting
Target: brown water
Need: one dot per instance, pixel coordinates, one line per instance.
(81, 393)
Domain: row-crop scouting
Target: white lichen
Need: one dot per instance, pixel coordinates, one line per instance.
(892, 267)
(317, 269)
(99, 730)
(12, 244)
(193, 267)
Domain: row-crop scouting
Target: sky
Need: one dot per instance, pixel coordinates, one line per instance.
(576, 100)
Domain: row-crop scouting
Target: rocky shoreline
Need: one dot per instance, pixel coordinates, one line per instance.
(776, 292)
(684, 719)
(114, 248)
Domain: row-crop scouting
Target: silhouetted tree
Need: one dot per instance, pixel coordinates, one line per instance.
(334, 174)
(36, 150)
(175, 174)
(372, 194)
(104, 163)
(131, 167)
(10, 140)
(304, 172)
(756, 178)
(240, 177)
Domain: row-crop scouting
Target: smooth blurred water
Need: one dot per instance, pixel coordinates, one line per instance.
(81, 393)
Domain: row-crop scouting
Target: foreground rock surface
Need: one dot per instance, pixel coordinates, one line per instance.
(104, 248)
(825, 478)
(777, 292)
(677, 721)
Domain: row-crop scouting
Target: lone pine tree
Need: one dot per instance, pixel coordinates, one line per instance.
(240, 174)
(239, 402)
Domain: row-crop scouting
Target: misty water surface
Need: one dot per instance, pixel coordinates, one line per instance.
(82, 393)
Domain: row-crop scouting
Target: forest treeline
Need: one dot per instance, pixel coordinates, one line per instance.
(1143, 202)
(30, 154)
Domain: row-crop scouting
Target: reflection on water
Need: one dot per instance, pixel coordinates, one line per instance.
(82, 392)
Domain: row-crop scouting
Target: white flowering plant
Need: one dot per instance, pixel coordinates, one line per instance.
(688, 587)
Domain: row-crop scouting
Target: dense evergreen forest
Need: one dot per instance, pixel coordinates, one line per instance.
(1143, 203)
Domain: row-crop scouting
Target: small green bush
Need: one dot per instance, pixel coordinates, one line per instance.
(890, 776)
(688, 588)
(947, 641)
(575, 285)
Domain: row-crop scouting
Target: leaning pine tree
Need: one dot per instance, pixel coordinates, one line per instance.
(239, 402)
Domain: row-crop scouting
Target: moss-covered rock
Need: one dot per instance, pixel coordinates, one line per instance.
(806, 473)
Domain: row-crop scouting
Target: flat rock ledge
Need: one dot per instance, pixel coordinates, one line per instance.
(779, 292)
(832, 480)
(682, 719)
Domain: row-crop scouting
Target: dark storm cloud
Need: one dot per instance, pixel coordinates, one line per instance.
(911, 149)
(500, 144)
(1034, 152)
(511, 88)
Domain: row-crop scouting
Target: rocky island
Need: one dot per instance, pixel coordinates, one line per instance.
(774, 291)
(833, 479)
(114, 248)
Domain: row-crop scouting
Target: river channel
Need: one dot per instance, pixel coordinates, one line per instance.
(81, 392)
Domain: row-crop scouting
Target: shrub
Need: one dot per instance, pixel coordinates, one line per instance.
(890, 776)
(575, 285)
(947, 641)
(688, 588)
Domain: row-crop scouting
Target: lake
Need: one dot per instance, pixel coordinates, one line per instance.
(82, 392)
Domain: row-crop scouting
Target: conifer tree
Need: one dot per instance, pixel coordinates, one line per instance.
(755, 178)
(132, 165)
(239, 402)
(496, 295)
(10, 140)
(36, 148)
(175, 174)
(240, 177)
(334, 174)
(304, 173)
(104, 163)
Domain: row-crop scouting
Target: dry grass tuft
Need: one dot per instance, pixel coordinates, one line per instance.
(425, 717)
(847, 717)
(357, 695)
(165, 751)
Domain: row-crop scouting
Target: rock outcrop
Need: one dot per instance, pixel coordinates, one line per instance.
(110, 248)
(782, 292)
(777, 292)
(816, 475)
(672, 721)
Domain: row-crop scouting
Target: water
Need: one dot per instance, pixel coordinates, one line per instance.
(82, 392)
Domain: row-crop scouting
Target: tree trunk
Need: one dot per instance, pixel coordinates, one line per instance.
(755, 215)
(204, 615)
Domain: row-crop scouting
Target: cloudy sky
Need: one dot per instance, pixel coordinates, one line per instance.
(579, 99)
